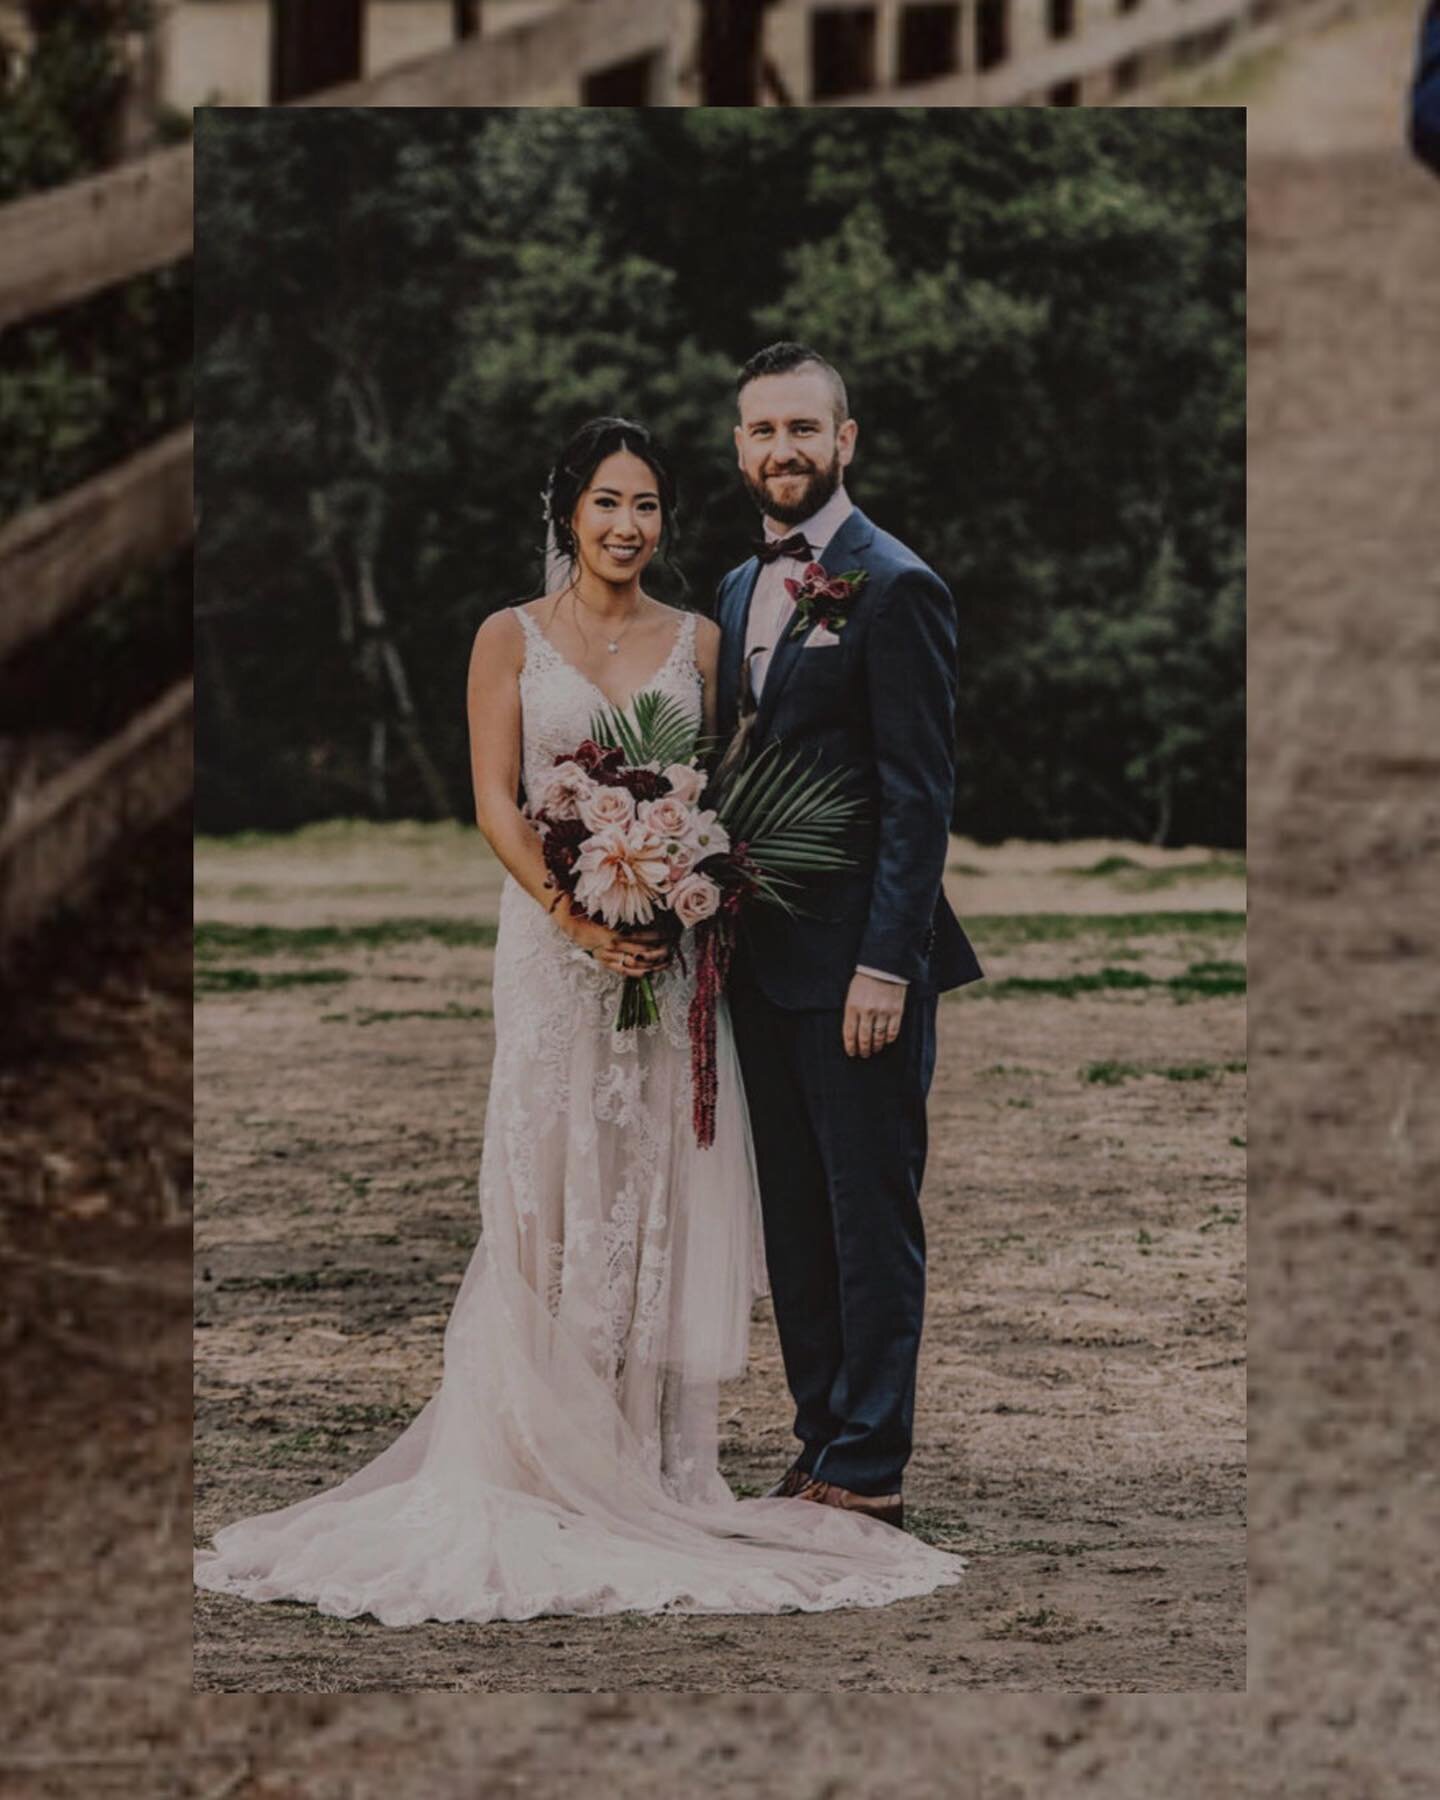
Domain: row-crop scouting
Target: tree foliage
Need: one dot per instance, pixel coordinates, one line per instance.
(1039, 314)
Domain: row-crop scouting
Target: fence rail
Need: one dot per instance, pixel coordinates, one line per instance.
(118, 791)
(55, 558)
(60, 556)
(543, 61)
(74, 241)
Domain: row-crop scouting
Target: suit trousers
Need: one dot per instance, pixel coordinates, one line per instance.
(840, 1146)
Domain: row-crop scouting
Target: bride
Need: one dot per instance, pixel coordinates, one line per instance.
(567, 1462)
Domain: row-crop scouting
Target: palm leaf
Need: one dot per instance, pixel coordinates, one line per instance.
(783, 845)
(732, 796)
(805, 799)
(746, 807)
(658, 729)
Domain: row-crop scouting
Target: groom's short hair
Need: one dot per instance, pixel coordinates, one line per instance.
(783, 359)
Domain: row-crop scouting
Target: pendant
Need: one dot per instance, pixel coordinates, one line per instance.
(612, 648)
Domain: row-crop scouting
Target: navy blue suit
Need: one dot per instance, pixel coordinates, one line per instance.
(1425, 95)
(840, 1141)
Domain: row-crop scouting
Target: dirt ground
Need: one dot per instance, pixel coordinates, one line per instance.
(1081, 1416)
(1344, 1412)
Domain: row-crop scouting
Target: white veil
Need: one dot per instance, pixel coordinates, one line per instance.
(557, 564)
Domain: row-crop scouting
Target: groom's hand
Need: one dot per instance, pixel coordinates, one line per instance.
(872, 1014)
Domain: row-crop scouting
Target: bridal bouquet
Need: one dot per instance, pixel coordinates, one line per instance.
(637, 831)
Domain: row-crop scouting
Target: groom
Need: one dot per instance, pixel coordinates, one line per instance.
(834, 1014)
(1425, 90)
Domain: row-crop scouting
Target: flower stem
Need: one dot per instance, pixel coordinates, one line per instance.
(637, 1004)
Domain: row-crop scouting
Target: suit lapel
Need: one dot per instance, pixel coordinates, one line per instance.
(840, 553)
(735, 613)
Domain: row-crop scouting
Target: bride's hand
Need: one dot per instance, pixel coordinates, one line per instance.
(638, 952)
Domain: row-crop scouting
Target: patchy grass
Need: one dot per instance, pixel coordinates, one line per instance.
(348, 1415)
(1140, 878)
(1043, 1546)
(370, 1016)
(214, 938)
(339, 890)
(999, 930)
(1043, 1624)
(1221, 1215)
(343, 834)
(1203, 980)
(1111, 1074)
(935, 1526)
(249, 981)
(297, 1281)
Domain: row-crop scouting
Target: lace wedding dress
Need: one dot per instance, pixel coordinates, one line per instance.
(567, 1463)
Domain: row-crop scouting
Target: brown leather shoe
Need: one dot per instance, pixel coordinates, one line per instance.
(888, 1508)
(789, 1484)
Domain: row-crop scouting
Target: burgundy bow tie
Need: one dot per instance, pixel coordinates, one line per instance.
(770, 549)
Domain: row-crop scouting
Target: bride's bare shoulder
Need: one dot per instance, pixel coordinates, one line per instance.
(707, 632)
(500, 639)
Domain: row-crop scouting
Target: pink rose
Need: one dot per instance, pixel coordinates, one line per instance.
(620, 873)
(607, 806)
(562, 789)
(688, 784)
(694, 899)
(667, 817)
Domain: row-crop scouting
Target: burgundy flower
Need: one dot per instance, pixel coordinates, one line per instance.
(644, 784)
(822, 599)
(597, 762)
(560, 843)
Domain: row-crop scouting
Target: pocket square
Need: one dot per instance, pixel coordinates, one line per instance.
(819, 637)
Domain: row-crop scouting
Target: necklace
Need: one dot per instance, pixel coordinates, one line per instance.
(611, 644)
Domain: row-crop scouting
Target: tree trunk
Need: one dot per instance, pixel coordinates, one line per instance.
(1161, 833)
(731, 32)
(365, 631)
(379, 786)
(372, 615)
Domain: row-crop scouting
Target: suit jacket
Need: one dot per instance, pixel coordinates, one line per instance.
(1425, 94)
(879, 703)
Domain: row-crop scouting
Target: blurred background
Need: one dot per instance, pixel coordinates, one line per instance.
(710, 52)
(95, 370)
(96, 726)
(402, 315)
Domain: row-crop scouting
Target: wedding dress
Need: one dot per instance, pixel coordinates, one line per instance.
(567, 1463)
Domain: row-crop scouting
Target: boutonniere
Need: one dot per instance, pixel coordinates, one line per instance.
(823, 599)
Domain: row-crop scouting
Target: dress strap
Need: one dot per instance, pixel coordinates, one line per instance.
(535, 640)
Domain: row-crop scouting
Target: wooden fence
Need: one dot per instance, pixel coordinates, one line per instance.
(605, 52)
(59, 557)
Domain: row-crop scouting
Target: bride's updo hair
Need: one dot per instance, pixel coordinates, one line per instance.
(575, 469)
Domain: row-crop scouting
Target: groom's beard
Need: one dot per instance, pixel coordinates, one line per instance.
(820, 484)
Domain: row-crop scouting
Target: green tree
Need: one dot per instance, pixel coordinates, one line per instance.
(1039, 314)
